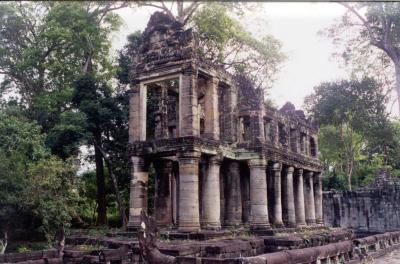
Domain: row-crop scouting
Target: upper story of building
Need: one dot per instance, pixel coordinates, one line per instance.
(179, 101)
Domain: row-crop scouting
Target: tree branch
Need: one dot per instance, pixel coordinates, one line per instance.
(365, 22)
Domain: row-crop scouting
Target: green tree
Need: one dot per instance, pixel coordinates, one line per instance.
(370, 33)
(36, 187)
(353, 113)
(44, 46)
(224, 41)
(21, 144)
(52, 194)
(106, 130)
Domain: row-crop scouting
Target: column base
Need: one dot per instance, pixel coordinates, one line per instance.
(232, 223)
(211, 226)
(278, 225)
(133, 226)
(301, 225)
(188, 227)
(260, 226)
(311, 222)
(292, 225)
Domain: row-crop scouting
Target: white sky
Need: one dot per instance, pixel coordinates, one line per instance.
(296, 25)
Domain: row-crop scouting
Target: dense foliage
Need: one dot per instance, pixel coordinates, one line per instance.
(357, 138)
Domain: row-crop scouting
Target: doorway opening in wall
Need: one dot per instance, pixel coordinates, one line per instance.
(162, 109)
(162, 194)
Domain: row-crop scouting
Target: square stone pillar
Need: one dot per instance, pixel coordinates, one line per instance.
(211, 126)
(299, 198)
(309, 198)
(211, 207)
(163, 193)
(258, 195)
(233, 198)
(277, 206)
(138, 191)
(189, 124)
(188, 212)
(137, 112)
(289, 216)
(318, 198)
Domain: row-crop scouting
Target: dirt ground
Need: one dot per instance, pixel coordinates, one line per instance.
(391, 258)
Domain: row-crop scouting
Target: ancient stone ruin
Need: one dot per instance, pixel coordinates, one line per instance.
(222, 156)
(237, 181)
(373, 208)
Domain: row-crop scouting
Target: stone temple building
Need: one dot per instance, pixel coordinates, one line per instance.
(222, 156)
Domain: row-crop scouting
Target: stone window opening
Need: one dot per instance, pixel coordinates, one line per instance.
(313, 147)
(244, 129)
(302, 143)
(201, 108)
(282, 134)
(293, 140)
(152, 113)
(268, 131)
(162, 109)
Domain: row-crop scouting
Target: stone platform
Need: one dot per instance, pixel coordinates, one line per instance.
(329, 246)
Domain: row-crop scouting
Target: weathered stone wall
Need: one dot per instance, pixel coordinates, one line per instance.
(368, 209)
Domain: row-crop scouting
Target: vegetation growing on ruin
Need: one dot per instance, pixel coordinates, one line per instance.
(63, 93)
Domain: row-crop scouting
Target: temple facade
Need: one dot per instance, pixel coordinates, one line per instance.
(222, 156)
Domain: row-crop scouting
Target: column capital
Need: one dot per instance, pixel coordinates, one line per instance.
(309, 174)
(319, 175)
(164, 165)
(257, 163)
(134, 89)
(216, 160)
(290, 169)
(190, 69)
(188, 155)
(277, 166)
(214, 80)
(137, 161)
(300, 171)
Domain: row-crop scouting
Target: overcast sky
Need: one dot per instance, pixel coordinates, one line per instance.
(296, 25)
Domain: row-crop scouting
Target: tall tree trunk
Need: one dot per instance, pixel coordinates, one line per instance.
(101, 184)
(397, 85)
(121, 207)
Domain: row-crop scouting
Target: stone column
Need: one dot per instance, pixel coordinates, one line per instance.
(163, 199)
(138, 191)
(137, 112)
(211, 126)
(258, 195)
(174, 191)
(189, 215)
(309, 198)
(318, 198)
(288, 198)
(189, 124)
(233, 207)
(277, 207)
(299, 198)
(211, 212)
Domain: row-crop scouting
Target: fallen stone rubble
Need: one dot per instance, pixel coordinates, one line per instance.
(249, 250)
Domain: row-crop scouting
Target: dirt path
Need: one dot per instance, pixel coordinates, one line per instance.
(391, 258)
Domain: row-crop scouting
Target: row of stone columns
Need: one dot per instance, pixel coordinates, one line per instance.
(297, 200)
(296, 197)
